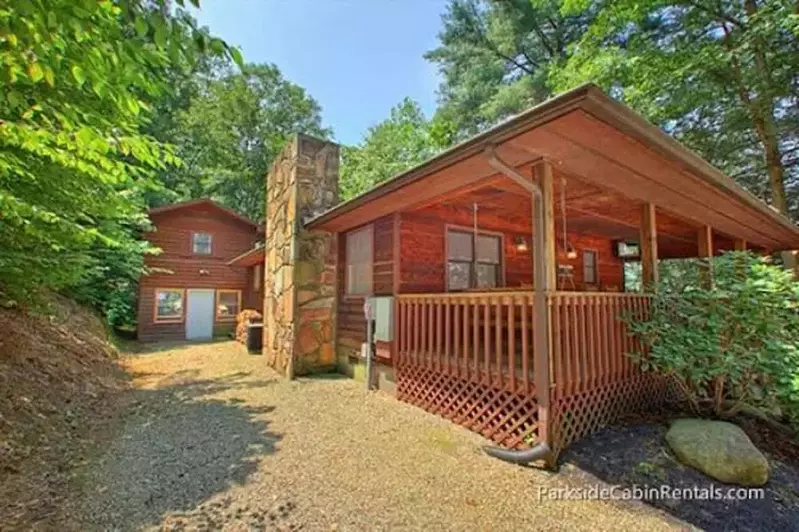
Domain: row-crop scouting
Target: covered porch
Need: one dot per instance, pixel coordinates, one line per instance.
(505, 257)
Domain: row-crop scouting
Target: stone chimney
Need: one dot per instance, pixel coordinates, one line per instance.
(300, 269)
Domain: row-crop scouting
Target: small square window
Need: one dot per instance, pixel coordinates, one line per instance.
(201, 243)
(228, 303)
(168, 304)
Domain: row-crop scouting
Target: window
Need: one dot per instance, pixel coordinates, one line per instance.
(168, 304)
(201, 243)
(467, 269)
(257, 274)
(359, 262)
(228, 303)
(590, 275)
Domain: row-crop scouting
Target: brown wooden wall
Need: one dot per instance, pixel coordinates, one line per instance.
(172, 234)
(351, 322)
(423, 261)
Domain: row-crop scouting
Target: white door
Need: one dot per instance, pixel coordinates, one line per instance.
(199, 314)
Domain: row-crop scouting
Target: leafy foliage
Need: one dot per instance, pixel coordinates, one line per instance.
(230, 129)
(719, 76)
(729, 345)
(496, 57)
(403, 140)
(78, 82)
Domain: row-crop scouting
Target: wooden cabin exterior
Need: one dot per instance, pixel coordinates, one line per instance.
(192, 292)
(475, 337)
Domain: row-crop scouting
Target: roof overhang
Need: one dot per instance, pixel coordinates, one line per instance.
(586, 133)
(249, 258)
(203, 202)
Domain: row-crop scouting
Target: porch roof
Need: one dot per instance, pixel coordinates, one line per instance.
(586, 134)
(256, 255)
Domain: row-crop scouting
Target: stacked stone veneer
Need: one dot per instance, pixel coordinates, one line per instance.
(300, 269)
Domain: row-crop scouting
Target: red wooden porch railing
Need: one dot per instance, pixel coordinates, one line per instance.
(483, 337)
(589, 341)
(469, 357)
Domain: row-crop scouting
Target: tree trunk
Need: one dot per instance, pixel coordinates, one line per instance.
(761, 108)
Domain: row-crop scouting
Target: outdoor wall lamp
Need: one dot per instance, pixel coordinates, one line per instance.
(571, 253)
(521, 243)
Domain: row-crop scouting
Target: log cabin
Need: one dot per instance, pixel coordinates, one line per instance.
(191, 292)
(495, 271)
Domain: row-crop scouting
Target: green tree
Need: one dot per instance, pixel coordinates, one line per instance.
(230, 131)
(403, 140)
(76, 87)
(719, 76)
(496, 57)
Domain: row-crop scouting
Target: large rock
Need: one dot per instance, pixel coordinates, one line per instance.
(719, 449)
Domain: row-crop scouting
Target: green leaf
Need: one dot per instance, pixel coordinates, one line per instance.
(235, 53)
(15, 99)
(141, 26)
(77, 74)
(35, 72)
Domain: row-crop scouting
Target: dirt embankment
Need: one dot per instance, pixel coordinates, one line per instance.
(57, 375)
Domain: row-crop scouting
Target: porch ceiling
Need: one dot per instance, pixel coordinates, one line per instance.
(618, 159)
(502, 205)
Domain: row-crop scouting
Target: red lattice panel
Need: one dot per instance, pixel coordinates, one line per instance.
(576, 416)
(509, 419)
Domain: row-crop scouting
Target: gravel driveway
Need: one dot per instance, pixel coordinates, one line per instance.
(212, 439)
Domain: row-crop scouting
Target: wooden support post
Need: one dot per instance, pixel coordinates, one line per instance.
(740, 264)
(649, 247)
(544, 285)
(543, 171)
(705, 248)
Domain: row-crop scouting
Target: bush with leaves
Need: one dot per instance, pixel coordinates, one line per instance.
(729, 346)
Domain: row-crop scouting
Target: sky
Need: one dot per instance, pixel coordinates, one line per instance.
(357, 58)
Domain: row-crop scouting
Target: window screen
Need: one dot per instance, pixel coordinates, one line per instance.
(168, 305)
(359, 261)
(227, 304)
(589, 267)
(201, 244)
(467, 269)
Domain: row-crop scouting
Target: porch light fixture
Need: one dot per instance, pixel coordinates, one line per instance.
(521, 243)
(571, 253)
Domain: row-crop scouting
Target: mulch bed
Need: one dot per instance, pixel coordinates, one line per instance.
(633, 452)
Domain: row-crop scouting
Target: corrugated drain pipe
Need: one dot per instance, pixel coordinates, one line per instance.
(542, 449)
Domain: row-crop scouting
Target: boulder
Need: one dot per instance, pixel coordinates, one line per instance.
(719, 449)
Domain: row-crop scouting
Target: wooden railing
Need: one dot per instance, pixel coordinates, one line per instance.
(487, 337)
(589, 341)
(482, 337)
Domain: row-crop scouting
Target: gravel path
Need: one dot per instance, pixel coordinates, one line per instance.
(214, 440)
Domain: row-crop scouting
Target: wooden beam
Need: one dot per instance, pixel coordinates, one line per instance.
(545, 284)
(649, 246)
(740, 244)
(545, 179)
(704, 239)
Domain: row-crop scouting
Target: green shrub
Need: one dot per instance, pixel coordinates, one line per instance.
(730, 345)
